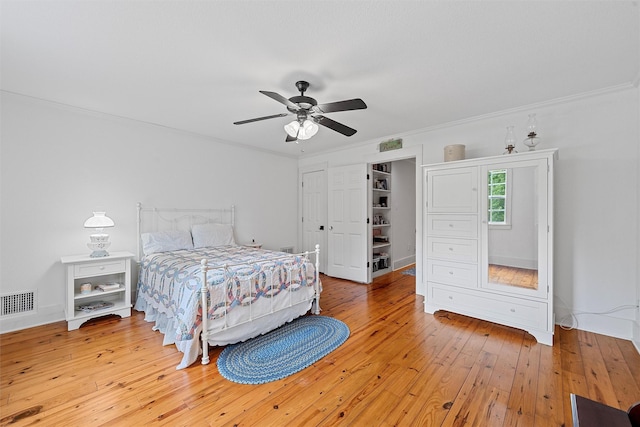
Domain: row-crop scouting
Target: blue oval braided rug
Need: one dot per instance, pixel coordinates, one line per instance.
(283, 351)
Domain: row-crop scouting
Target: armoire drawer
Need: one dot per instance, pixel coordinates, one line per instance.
(520, 313)
(452, 225)
(463, 250)
(454, 273)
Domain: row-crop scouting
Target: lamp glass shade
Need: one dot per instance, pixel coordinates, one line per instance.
(99, 220)
(532, 138)
(532, 126)
(306, 131)
(292, 128)
(510, 141)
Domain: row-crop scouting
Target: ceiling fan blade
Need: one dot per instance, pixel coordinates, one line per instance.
(281, 99)
(241, 122)
(350, 104)
(332, 124)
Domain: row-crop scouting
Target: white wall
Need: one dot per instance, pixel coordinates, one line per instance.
(58, 164)
(596, 194)
(636, 325)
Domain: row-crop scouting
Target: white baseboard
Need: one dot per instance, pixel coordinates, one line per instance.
(43, 316)
(597, 323)
(403, 262)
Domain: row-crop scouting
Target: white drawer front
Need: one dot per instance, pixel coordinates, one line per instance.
(465, 250)
(99, 268)
(453, 225)
(501, 309)
(455, 273)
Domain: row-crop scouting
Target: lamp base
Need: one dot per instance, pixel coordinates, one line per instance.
(99, 245)
(99, 253)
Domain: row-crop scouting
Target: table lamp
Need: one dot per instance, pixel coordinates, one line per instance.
(99, 240)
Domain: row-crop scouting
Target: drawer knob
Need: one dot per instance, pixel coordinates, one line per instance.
(102, 267)
(451, 272)
(451, 249)
(450, 297)
(450, 225)
(513, 310)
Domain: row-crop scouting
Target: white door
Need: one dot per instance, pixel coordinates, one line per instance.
(314, 214)
(347, 251)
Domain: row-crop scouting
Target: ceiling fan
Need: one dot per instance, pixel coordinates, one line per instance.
(309, 114)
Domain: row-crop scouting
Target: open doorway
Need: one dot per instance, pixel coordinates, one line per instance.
(392, 216)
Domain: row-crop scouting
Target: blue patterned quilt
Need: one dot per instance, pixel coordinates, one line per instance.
(238, 277)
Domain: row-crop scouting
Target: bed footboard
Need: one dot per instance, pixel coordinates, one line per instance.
(204, 296)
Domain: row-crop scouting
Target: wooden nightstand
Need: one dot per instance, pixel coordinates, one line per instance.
(84, 270)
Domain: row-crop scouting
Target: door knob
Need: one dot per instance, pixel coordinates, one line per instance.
(331, 227)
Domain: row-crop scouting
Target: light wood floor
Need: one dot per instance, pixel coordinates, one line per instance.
(514, 276)
(400, 366)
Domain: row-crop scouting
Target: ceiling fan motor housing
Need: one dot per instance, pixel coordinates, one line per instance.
(305, 102)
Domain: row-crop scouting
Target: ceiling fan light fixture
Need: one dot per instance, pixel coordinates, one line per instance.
(292, 128)
(306, 131)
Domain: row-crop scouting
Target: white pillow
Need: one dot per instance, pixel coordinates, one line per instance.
(212, 235)
(163, 241)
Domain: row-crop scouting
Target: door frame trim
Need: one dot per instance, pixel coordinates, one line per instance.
(318, 167)
(413, 151)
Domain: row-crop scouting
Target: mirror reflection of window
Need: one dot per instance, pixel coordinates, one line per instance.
(499, 195)
(512, 227)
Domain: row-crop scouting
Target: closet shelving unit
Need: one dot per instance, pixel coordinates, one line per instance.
(381, 219)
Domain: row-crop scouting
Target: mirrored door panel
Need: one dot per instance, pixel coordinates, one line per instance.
(514, 227)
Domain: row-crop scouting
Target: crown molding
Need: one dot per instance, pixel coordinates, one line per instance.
(123, 119)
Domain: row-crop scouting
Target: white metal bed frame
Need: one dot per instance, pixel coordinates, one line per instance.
(183, 219)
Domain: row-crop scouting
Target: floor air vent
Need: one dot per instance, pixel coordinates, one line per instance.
(17, 303)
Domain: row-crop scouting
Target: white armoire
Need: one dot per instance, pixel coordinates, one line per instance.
(488, 240)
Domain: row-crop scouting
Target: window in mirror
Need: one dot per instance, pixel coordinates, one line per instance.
(499, 193)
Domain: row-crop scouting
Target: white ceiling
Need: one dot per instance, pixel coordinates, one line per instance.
(197, 66)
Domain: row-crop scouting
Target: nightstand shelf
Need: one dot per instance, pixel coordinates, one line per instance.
(84, 270)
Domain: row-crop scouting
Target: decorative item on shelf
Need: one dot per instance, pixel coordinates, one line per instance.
(510, 141)
(94, 306)
(532, 133)
(104, 287)
(99, 240)
(454, 152)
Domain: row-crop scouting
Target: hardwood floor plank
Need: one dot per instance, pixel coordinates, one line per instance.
(521, 408)
(399, 367)
(598, 380)
(626, 391)
(549, 408)
(631, 358)
(477, 403)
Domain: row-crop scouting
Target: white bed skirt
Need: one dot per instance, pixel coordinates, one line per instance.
(220, 333)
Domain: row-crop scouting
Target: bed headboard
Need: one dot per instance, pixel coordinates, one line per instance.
(152, 219)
